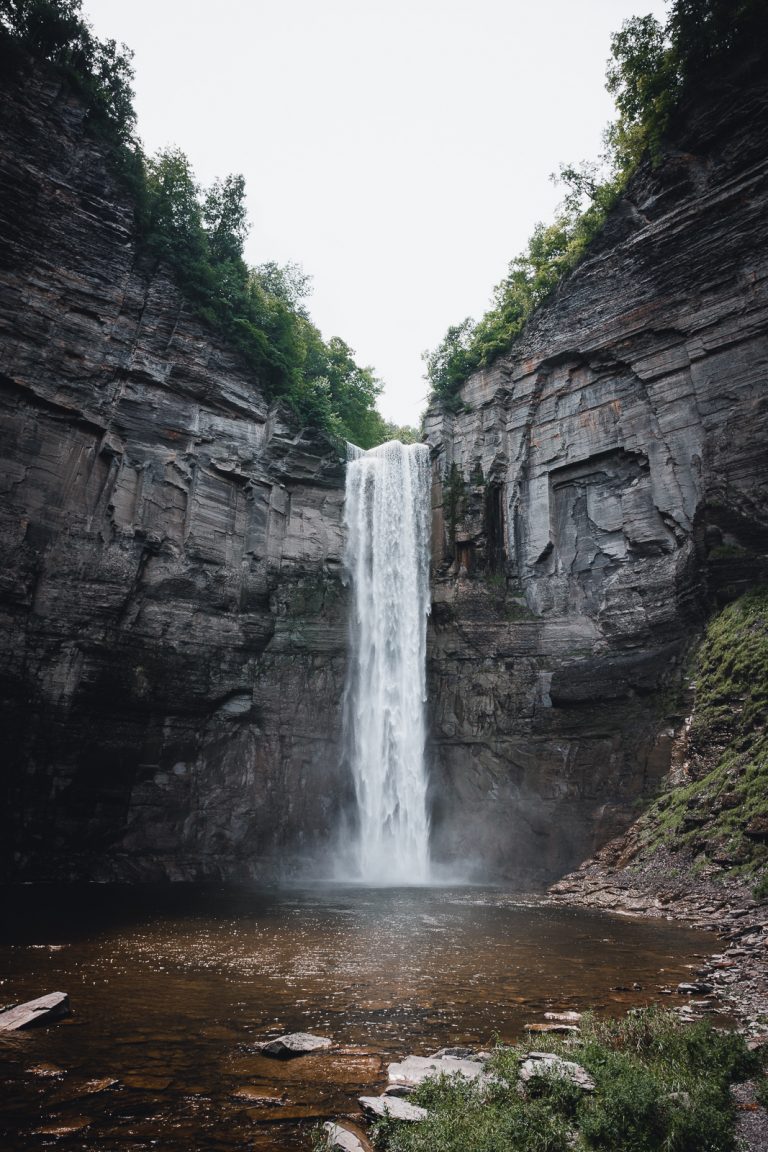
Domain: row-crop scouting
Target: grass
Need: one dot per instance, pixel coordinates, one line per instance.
(727, 792)
(661, 1086)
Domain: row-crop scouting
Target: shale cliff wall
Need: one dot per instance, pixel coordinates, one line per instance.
(172, 620)
(605, 483)
(172, 613)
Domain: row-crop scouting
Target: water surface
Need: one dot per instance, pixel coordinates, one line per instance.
(173, 988)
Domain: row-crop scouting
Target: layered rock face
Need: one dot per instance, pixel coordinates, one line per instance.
(172, 622)
(172, 613)
(604, 483)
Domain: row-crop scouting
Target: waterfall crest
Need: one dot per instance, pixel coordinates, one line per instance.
(387, 520)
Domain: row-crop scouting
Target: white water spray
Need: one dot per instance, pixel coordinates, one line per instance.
(387, 520)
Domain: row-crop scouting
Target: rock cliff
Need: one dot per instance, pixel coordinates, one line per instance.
(172, 622)
(172, 613)
(604, 484)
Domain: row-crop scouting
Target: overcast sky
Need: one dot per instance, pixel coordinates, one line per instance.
(399, 151)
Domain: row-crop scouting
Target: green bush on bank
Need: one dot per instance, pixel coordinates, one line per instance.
(660, 1085)
(200, 233)
(653, 67)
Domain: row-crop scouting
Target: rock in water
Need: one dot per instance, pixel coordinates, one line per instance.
(392, 1106)
(44, 1010)
(294, 1044)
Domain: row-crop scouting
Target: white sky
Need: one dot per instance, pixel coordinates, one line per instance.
(399, 151)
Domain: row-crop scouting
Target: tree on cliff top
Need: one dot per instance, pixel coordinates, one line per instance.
(653, 67)
(200, 233)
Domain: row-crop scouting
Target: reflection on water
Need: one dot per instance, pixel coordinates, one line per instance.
(172, 988)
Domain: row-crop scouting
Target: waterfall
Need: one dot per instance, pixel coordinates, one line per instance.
(387, 520)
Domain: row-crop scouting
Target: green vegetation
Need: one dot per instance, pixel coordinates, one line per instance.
(722, 814)
(200, 233)
(100, 71)
(660, 1084)
(653, 68)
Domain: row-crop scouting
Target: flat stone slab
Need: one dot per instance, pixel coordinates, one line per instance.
(44, 1010)
(412, 1071)
(546, 1064)
(346, 1138)
(393, 1107)
(294, 1044)
(695, 988)
(568, 1017)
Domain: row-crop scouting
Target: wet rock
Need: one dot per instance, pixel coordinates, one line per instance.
(259, 1096)
(694, 988)
(294, 1044)
(82, 1089)
(568, 1017)
(62, 1128)
(46, 1071)
(43, 1010)
(546, 1064)
(346, 1137)
(460, 1053)
(412, 1071)
(392, 1106)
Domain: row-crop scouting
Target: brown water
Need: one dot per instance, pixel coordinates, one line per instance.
(173, 988)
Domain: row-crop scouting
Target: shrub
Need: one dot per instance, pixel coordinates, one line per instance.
(659, 1085)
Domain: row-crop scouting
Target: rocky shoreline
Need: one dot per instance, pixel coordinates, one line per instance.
(667, 885)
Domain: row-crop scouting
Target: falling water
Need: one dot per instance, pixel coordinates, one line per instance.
(387, 519)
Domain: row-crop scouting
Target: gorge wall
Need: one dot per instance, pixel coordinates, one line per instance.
(603, 485)
(172, 612)
(172, 622)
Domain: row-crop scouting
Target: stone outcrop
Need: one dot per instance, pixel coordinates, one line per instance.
(172, 618)
(604, 483)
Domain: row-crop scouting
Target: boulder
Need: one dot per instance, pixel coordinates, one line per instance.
(294, 1044)
(413, 1070)
(547, 1064)
(391, 1106)
(44, 1010)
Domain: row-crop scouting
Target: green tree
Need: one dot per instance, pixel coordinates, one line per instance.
(225, 218)
(452, 361)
